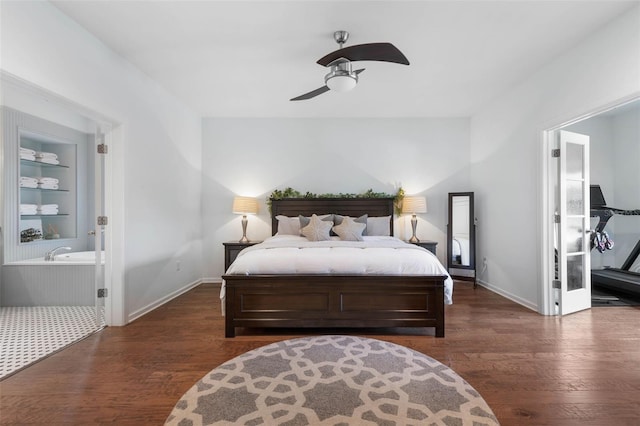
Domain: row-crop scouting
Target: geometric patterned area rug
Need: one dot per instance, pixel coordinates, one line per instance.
(329, 380)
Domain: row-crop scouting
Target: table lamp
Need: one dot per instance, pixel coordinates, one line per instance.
(414, 205)
(244, 206)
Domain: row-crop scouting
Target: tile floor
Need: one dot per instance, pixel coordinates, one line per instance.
(28, 334)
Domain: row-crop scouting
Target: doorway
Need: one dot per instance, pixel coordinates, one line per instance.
(614, 153)
(59, 304)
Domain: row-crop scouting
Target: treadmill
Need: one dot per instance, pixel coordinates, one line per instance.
(622, 279)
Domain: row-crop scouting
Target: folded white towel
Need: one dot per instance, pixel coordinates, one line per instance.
(40, 154)
(28, 209)
(28, 184)
(27, 151)
(47, 160)
(28, 179)
(47, 186)
(27, 157)
(48, 206)
(48, 180)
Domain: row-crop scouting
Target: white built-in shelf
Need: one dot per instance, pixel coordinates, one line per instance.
(63, 223)
(43, 189)
(44, 215)
(24, 162)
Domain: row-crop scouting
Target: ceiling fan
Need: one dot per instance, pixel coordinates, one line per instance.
(341, 77)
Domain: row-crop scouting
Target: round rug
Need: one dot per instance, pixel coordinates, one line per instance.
(329, 380)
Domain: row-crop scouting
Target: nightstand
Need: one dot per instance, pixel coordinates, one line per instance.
(231, 250)
(429, 245)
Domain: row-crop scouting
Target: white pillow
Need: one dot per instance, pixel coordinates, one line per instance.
(317, 229)
(288, 225)
(349, 229)
(379, 226)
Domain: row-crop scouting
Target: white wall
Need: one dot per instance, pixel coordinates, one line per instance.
(255, 156)
(506, 139)
(163, 142)
(157, 164)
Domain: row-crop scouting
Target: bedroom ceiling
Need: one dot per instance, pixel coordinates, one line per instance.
(248, 58)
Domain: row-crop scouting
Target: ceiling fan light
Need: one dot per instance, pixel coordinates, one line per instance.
(341, 82)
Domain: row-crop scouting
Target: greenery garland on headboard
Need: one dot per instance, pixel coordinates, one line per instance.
(278, 194)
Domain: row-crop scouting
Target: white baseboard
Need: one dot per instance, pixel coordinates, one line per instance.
(512, 297)
(217, 280)
(151, 306)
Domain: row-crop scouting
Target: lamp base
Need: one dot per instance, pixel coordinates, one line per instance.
(414, 240)
(244, 238)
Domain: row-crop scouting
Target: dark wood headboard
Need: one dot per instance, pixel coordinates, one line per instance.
(353, 207)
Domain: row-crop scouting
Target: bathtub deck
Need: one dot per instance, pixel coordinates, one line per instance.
(28, 334)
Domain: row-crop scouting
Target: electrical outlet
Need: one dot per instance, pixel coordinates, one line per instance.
(178, 265)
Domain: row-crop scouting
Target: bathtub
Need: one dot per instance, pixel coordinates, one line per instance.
(63, 259)
(78, 258)
(68, 280)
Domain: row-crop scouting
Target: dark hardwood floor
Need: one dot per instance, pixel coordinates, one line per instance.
(583, 369)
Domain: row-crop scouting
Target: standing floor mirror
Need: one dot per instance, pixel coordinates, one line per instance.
(461, 237)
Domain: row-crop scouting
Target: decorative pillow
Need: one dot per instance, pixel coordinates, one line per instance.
(337, 220)
(317, 229)
(349, 229)
(288, 225)
(379, 226)
(304, 221)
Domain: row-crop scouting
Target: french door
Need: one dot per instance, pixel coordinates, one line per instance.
(573, 222)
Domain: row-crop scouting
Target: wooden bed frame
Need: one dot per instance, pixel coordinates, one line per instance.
(360, 301)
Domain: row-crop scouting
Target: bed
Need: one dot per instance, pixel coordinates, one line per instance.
(333, 300)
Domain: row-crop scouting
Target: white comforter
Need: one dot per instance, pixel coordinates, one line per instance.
(289, 254)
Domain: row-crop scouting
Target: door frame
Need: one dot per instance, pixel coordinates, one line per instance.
(548, 169)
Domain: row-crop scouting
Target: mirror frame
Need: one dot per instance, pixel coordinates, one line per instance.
(457, 271)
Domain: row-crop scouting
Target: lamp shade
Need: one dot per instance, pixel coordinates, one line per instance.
(414, 205)
(341, 83)
(341, 78)
(245, 205)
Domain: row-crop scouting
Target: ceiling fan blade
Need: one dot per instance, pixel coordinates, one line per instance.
(359, 71)
(311, 94)
(385, 52)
